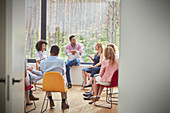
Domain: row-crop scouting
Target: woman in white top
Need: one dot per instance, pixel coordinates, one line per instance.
(41, 54)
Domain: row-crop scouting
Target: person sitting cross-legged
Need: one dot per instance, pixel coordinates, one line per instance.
(53, 63)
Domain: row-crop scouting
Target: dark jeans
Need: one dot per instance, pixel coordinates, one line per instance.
(69, 64)
(93, 71)
(30, 85)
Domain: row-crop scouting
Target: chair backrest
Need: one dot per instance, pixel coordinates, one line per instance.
(114, 81)
(53, 81)
(37, 66)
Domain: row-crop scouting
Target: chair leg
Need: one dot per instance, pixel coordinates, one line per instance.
(43, 104)
(108, 99)
(32, 108)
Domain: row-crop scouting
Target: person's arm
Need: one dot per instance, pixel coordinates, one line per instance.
(25, 72)
(67, 50)
(80, 49)
(100, 62)
(102, 70)
(41, 66)
(37, 57)
(64, 69)
(90, 57)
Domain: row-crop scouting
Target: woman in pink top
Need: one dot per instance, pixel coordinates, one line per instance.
(109, 66)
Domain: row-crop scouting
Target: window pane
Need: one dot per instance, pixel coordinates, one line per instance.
(91, 21)
(32, 25)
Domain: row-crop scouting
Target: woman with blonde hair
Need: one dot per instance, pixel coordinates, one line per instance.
(109, 66)
(114, 48)
(97, 60)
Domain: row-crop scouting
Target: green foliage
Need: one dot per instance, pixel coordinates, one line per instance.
(88, 44)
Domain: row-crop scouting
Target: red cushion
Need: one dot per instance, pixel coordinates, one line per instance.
(114, 81)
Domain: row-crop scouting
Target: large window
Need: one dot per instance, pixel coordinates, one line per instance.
(91, 21)
(32, 26)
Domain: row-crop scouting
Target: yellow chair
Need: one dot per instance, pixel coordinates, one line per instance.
(53, 82)
(37, 66)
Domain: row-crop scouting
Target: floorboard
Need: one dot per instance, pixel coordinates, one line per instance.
(75, 100)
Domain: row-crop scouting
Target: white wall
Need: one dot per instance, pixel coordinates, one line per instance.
(76, 74)
(144, 69)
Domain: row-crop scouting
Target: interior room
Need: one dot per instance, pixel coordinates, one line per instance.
(84, 56)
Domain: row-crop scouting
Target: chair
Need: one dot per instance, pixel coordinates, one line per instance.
(37, 66)
(109, 91)
(52, 82)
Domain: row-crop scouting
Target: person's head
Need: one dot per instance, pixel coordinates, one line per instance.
(99, 48)
(109, 54)
(54, 50)
(41, 45)
(113, 46)
(72, 39)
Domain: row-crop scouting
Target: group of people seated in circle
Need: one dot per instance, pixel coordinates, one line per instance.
(105, 63)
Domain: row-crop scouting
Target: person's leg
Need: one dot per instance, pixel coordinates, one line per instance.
(39, 75)
(73, 62)
(64, 105)
(90, 81)
(68, 74)
(94, 71)
(96, 88)
(97, 91)
(37, 72)
(91, 89)
(100, 90)
(32, 76)
(27, 98)
(84, 78)
(27, 91)
(49, 95)
(69, 64)
(88, 75)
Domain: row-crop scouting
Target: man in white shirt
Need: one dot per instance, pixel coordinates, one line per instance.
(53, 63)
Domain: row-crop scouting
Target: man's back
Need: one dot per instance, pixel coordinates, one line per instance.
(52, 63)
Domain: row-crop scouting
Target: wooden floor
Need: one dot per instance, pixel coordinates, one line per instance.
(75, 100)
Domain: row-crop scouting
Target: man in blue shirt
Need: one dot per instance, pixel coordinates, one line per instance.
(53, 63)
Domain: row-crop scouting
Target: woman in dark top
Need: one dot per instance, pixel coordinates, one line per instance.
(92, 70)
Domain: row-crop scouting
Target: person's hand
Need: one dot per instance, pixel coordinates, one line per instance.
(73, 51)
(91, 66)
(30, 69)
(89, 56)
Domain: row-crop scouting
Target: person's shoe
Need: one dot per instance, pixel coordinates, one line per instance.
(88, 97)
(86, 94)
(87, 86)
(29, 103)
(95, 98)
(64, 105)
(51, 103)
(82, 88)
(91, 102)
(33, 98)
(69, 86)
